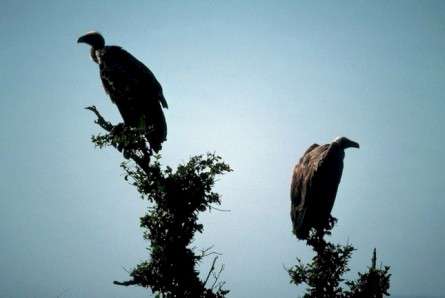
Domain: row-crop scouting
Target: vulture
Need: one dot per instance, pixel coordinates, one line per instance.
(314, 185)
(132, 87)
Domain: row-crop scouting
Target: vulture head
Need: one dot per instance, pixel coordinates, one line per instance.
(95, 40)
(346, 143)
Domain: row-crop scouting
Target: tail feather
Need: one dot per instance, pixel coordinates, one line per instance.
(156, 127)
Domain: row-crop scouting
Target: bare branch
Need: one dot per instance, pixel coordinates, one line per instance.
(125, 283)
(211, 270)
(100, 120)
(219, 209)
(125, 269)
(216, 276)
(206, 250)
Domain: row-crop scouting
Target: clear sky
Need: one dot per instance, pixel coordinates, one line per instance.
(255, 81)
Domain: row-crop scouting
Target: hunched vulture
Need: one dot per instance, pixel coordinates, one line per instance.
(314, 185)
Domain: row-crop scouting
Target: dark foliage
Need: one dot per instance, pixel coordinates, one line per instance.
(372, 284)
(323, 275)
(176, 197)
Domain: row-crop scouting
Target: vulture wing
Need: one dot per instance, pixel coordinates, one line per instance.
(123, 74)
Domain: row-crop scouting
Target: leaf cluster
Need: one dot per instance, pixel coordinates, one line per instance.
(323, 275)
(372, 284)
(178, 196)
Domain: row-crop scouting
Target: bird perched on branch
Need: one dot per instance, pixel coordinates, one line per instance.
(314, 185)
(132, 87)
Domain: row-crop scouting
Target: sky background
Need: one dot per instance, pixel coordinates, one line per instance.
(257, 82)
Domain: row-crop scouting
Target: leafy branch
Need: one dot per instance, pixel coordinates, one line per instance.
(324, 274)
(176, 198)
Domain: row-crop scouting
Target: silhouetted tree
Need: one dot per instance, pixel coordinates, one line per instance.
(372, 284)
(176, 198)
(323, 275)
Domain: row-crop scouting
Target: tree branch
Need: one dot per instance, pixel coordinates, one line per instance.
(142, 159)
(100, 120)
(212, 268)
(125, 283)
(217, 277)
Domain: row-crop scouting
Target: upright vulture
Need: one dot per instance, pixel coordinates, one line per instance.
(314, 185)
(132, 87)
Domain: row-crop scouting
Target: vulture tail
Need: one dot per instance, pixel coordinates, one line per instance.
(156, 128)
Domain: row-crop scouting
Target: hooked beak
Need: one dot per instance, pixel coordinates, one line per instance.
(354, 144)
(82, 39)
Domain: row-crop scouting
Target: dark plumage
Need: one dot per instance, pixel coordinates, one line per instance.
(314, 185)
(132, 87)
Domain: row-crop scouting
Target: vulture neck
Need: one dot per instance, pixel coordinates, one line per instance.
(95, 54)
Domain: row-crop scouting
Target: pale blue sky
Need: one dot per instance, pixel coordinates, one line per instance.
(255, 81)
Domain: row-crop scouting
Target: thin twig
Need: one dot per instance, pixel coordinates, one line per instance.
(125, 269)
(219, 209)
(211, 270)
(217, 276)
(125, 283)
(100, 120)
(205, 250)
